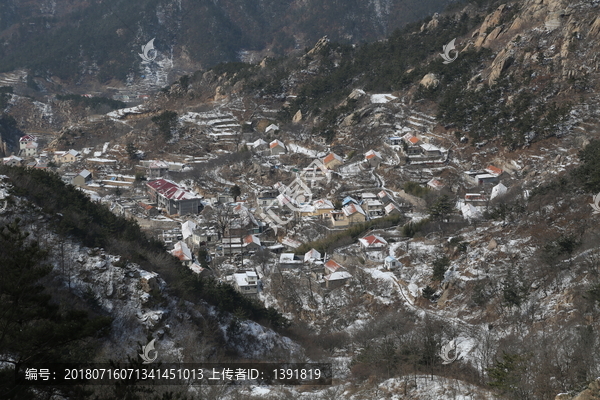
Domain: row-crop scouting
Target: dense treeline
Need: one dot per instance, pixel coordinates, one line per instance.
(348, 236)
(75, 215)
(93, 102)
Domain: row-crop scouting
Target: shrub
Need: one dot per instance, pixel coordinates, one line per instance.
(440, 266)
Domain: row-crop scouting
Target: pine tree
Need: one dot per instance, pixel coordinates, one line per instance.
(32, 327)
(131, 151)
(441, 208)
(236, 191)
(440, 265)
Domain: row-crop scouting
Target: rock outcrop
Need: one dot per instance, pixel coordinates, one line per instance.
(297, 117)
(501, 63)
(591, 393)
(430, 81)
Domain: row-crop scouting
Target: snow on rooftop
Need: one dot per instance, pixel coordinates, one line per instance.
(124, 111)
(338, 275)
(382, 98)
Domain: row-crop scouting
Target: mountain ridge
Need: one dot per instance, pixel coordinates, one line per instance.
(102, 38)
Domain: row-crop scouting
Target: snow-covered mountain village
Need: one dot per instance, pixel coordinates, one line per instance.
(429, 230)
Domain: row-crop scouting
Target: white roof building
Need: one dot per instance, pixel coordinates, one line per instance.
(312, 255)
(469, 211)
(187, 229)
(498, 190)
(246, 282)
(182, 251)
(272, 128)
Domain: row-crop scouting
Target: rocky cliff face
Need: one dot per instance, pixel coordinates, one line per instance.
(556, 34)
(591, 393)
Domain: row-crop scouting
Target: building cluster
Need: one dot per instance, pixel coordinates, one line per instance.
(198, 225)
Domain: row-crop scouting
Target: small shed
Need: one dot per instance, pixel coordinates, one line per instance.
(391, 263)
(83, 178)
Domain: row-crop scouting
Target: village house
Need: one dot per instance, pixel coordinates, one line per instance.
(82, 179)
(492, 170)
(251, 244)
(316, 209)
(312, 256)
(273, 128)
(12, 161)
(476, 199)
(373, 243)
(124, 207)
(323, 206)
(316, 171)
(336, 279)
(349, 215)
(391, 263)
(395, 140)
(435, 184)
(230, 245)
(200, 270)
(412, 143)
(290, 244)
(373, 207)
(183, 253)
(332, 161)
(391, 209)
(28, 146)
(373, 158)
(244, 222)
(156, 169)
(469, 211)
(172, 198)
(498, 191)
(67, 177)
(175, 166)
(267, 198)
(332, 266)
(289, 260)
(224, 198)
(63, 157)
(350, 200)
(187, 229)
(487, 179)
(277, 147)
(148, 209)
(334, 275)
(431, 151)
(304, 210)
(384, 197)
(246, 283)
(258, 145)
(481, 178)
(105, 162)
(203, 236)
(170, 237)
(368, 196)
(30, 150)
